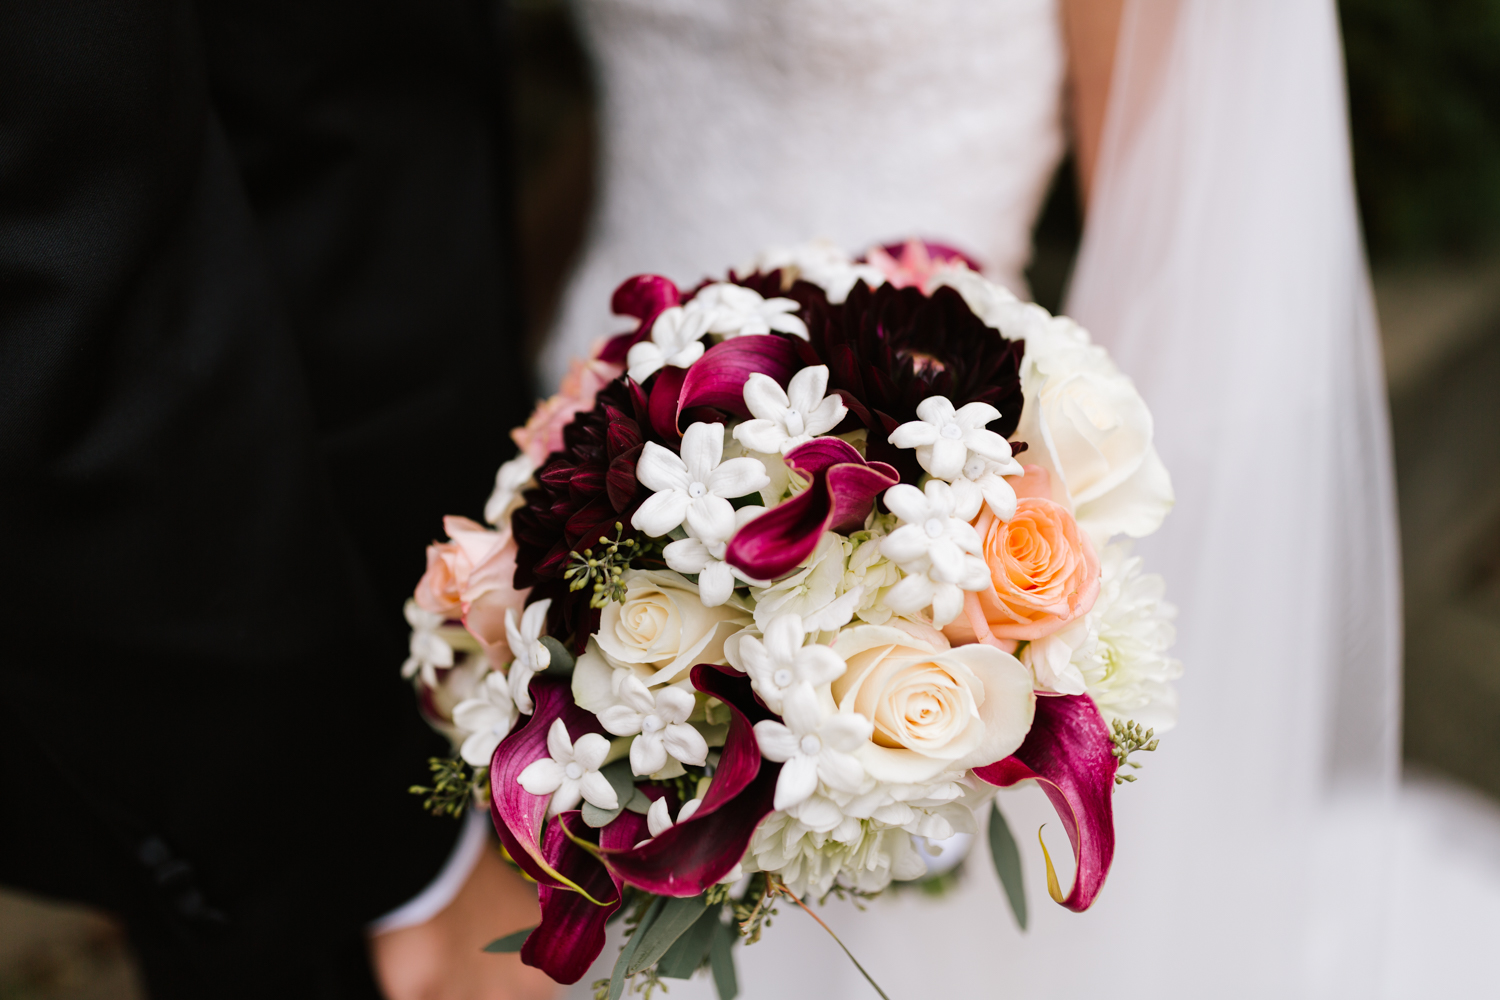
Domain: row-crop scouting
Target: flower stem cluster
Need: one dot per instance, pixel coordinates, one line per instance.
(452, 787)
(1129, 738)
(606, 571)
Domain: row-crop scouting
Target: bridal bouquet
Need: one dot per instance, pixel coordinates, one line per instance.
(782, 584)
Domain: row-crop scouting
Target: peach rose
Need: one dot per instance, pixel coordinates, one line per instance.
(473, 576)
(1044, 573)
(543, 433)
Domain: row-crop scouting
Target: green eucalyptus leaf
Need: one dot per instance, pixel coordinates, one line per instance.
(509, 943)
(638, 803)
(677, 915)
(1007, 858)
(691, 950)
(595, 817)
(721, 962)
(617, 977)
(562, 660)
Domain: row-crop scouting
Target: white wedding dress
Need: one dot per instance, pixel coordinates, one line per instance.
(1267, 850)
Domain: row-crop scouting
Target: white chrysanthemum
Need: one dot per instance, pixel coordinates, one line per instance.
(1120, 656)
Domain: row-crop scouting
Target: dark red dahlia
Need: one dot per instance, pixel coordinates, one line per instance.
(582, 492)
(890, 348)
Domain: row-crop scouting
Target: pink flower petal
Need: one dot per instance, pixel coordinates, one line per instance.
(1070, 753)
(571, 934)
(645, 296)
(718, 378)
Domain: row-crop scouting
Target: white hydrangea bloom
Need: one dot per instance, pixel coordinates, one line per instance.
(815, 592)
(938, 552)
(787, 418)
(1128, 671)
(737, 311)
(676, 339)
(530, 655)
(571, 773)
(487, 717)
(695, 485)
(658, 721)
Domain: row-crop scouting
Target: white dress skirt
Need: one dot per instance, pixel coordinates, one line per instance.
(1268, 849)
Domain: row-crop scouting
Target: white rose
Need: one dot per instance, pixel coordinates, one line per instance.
(1086, 424)
(935, 708)
(1083, 420)
(661, 628)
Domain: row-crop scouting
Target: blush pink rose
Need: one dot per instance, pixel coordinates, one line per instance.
(1044, 573)
(543, 433)
(915, 263)
(472, 576)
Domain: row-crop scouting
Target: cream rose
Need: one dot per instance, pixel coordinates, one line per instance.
(661, 629)
(935, 708)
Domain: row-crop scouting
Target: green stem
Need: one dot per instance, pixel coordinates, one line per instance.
(781, 887)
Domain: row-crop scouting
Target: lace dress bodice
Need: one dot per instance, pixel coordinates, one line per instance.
(731, 126)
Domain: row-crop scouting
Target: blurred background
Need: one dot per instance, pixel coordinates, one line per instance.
(1424, 92)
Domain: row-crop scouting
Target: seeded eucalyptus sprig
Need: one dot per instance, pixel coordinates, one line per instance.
(1128, 737)
(606, 569)
(452, 787)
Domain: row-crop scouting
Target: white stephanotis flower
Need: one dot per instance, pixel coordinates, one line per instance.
(428, 650)
(812, 745)
(571, 774)
(531, 656)
(779, 662)
(737, 311)
(676, 339)
(509, 482)
(658, 721)
(938, 552)
(695, 485)
(821, 263)
(659, 817)
(786, 418)
(946, 438)
(983, 482)
(706, 558)
(487, 716)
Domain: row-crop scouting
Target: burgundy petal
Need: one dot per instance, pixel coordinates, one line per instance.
(1070, 753)
(645, 297)
(518, 815)
(620, 483)
(571, 934)
(844, 487)
(694, 854)
(665, 392)
(718, 378)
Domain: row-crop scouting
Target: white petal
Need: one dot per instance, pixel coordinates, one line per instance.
(715, 583)
(800, 709)
(989, 444)
(534, 621)
(659, 469)
(764, 397)
(634, 693)
(796, 783)
(589, 752)
(479, 748)
(513, 637)
(840, 770)
(913, 434)
(975, 414)
(558, 743)
(688, 808)
(760, 435)
(567, 796)
(643, 359)
(686, 744)
(846, 732)
(945, 458)
(661, 512)
(674, 704)
(520, 687)
(826, 415)
(819, 665)
(541, 777)
(738, 477)
(907, 502)
(935, 410)
(789, 324)
(784, 636)
(807, 387)
(947, 561)
(702, 448)
(475, 714)
(913, 593)
(999, 495)
(598, 791)
(906, 544)
(947, 602)
(686, 356)
(687, 555)
(777, 742)
(708, 516)
(648, 754)
(620, 720)
(659, 817)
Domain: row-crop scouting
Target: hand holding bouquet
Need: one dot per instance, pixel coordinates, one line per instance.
(782, 584)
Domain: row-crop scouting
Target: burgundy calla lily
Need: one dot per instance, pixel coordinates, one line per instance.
(1070, 753)
(689, 857)
(571, 934)
(517, 814)
(844, 488)
(718, 378)
(645, 296)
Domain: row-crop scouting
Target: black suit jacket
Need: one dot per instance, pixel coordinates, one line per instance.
(257, 334)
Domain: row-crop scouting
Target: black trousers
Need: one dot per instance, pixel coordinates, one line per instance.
(257, 334)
